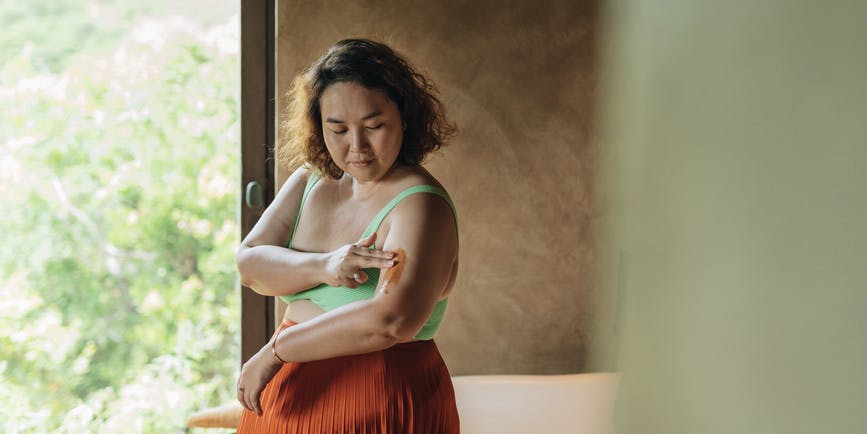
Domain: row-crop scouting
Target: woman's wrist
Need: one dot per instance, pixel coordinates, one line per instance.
(274, 354)
(320, 265)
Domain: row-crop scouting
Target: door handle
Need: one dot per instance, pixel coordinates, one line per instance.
(253, 196)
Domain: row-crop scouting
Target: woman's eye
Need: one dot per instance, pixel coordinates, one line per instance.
(375, 127)
(339, 132)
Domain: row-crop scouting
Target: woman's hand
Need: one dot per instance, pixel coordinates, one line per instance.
(343, 267)
(255, 374)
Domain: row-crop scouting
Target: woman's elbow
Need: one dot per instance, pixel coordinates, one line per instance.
(242, 262)
(402, 335)
(400, 326)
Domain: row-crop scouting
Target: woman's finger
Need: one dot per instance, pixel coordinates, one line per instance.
(360, 277)
(368, 252)
(366, 241)
(241, 397)
(254, 398)
(347, 281)
(368, 262)
(373, 253)
(248, 396)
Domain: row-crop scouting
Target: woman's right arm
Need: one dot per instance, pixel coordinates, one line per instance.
(265, 264)
(269, 268)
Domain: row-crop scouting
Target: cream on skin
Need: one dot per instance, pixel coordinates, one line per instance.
(392, 275)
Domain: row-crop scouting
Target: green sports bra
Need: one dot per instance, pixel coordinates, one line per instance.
(331, 297)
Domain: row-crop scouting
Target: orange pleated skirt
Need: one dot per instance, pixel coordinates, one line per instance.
(403, 389)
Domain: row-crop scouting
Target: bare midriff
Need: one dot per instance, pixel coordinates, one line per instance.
(302, 311)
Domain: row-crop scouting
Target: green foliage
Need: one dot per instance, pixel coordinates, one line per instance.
(119, 162)
(57, 30)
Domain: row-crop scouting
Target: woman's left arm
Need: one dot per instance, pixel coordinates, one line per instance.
(423, 227)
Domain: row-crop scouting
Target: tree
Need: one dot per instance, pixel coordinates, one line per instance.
(119, 197)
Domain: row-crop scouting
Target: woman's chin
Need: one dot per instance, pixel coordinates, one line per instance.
(369, 171)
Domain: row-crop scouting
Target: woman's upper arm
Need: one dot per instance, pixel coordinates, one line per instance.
(423, 226)
(276, 223)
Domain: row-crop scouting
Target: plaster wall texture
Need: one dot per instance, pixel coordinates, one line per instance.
(518, 79)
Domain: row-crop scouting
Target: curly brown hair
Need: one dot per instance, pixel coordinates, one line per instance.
(373, 65)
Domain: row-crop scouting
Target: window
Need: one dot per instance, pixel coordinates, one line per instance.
(119, 160)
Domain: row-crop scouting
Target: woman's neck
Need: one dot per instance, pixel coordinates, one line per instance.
(362, 191)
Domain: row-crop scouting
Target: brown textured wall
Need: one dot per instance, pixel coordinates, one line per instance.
(518, 80)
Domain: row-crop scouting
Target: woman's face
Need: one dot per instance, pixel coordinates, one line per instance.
(362, 128)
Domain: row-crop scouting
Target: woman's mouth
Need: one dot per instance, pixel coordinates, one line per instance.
(361, 163)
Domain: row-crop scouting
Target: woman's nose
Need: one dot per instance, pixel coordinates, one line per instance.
(358, 140)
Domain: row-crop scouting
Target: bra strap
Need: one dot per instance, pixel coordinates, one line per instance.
(377, 221)
(311, 181)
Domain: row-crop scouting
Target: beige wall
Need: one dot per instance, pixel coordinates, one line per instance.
(736, 167)
(518, 80)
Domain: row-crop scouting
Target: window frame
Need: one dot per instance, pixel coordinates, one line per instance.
(258, 81)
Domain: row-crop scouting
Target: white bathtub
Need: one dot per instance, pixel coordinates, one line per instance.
(537, 404)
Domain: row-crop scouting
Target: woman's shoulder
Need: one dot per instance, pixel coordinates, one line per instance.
(415, 176)
(414, 206)
(298, 177)
(291, 191)
(422, 213)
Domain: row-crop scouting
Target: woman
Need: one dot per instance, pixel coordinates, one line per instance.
(355, 351)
